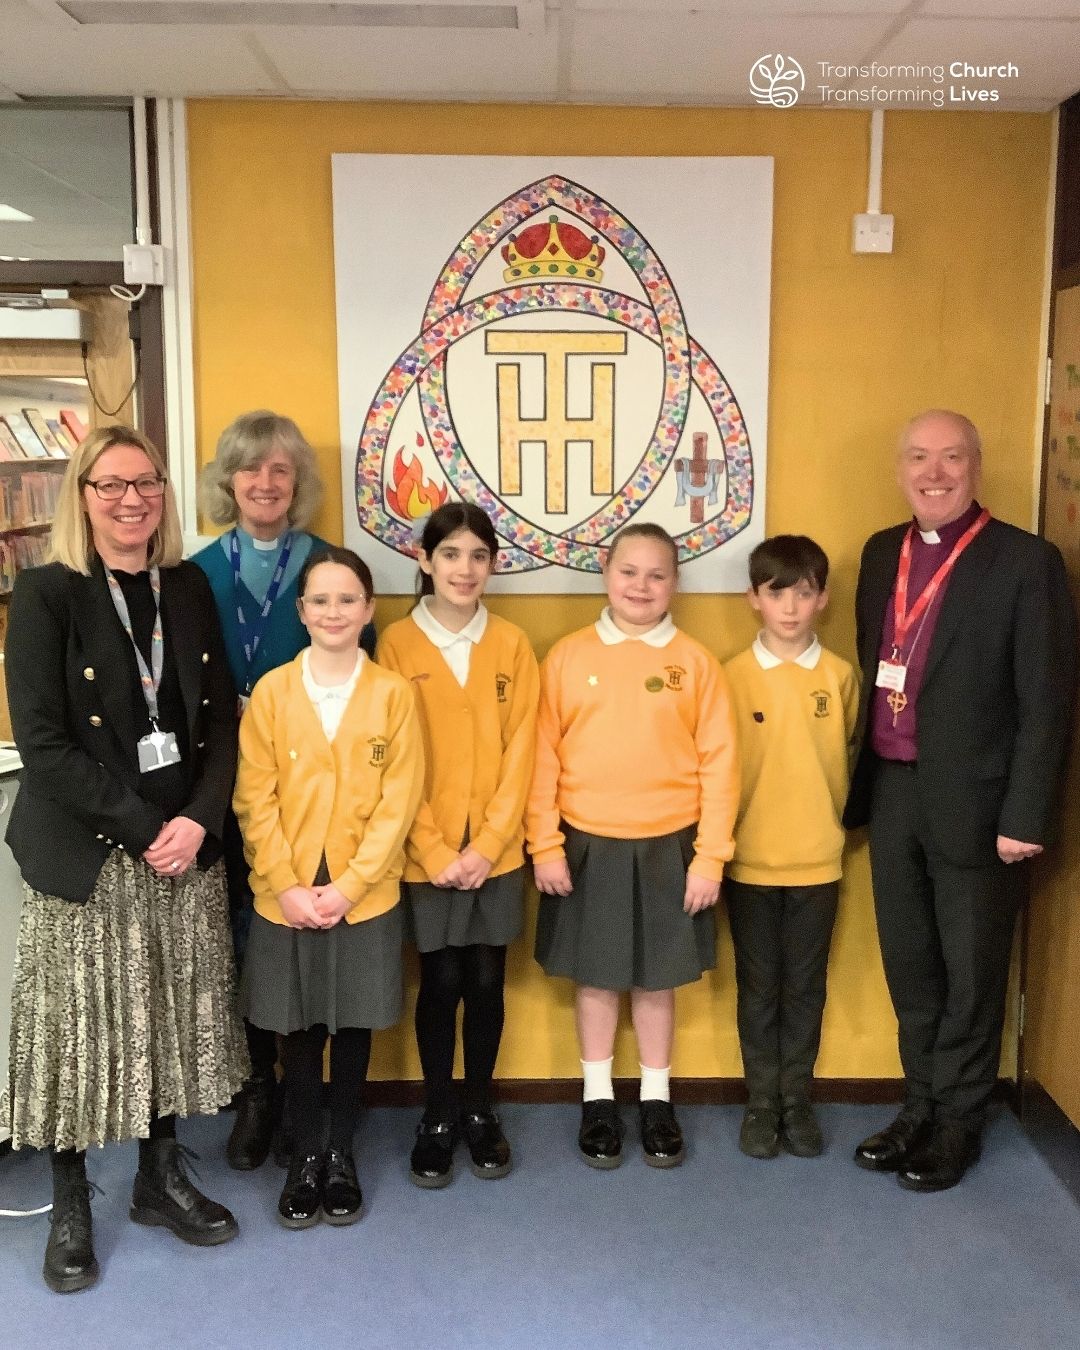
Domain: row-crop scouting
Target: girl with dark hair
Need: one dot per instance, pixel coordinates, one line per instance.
(331, 768)
(476, 684)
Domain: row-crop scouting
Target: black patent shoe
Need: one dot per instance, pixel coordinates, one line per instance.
(431, 1163)
(300, 1204)
(800, 1132)
(888, 1150)
(489, 1153)
(661, 1138)
(164, 1196)
(70, 1264)
(341, 1197)
(941, 1164)
(249, 1140)
(600, 1135)
(759, 1134)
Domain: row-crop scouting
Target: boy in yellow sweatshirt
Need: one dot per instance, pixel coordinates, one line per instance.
(795, 706)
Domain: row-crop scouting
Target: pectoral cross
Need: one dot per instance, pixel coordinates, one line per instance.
(897, 701)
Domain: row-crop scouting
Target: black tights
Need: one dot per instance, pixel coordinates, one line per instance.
(475, 976)
(302, 1060)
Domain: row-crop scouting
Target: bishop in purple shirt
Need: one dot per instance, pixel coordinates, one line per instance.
(963, 727)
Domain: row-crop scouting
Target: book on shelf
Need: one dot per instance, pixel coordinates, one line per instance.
(27, 437)
(74, 424)
(66, 439)
(40, 427)
(9, 446)
(17, 552)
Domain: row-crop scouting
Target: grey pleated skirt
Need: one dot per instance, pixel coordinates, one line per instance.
(438, 917)
(122, 1007)
(623, 926)
(345, 976)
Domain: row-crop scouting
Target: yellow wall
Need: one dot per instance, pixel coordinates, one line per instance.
(858, 344)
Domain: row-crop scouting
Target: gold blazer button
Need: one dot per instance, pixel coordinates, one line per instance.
(95, 720)
(206, 658)
(88, 673)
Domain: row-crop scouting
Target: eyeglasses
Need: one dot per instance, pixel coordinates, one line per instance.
(112, 489)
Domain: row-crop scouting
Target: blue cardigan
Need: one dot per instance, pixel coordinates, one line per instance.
(285, 635)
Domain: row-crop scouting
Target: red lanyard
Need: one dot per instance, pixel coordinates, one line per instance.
(903, 617)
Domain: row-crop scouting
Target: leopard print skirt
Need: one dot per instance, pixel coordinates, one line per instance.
(122, 1008)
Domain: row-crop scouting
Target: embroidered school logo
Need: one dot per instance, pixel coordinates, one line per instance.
(501, 681)
(821, 699)
(654, 684)
(378, 751)
(777, 80)
(674, 676)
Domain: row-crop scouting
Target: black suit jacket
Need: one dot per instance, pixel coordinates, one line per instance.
(994, 712)
(74, 711)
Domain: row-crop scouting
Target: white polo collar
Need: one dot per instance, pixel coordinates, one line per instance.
(659, 636)
(328, 693)
(767, 661)
(439, 634)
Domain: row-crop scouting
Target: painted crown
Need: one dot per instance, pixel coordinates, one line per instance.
(555, 249)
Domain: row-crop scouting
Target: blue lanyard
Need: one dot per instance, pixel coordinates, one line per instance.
(252, 639)
(149, 676)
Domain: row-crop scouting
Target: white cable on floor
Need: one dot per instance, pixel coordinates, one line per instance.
(24, 1213)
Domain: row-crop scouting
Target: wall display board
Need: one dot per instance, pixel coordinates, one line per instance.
(1062, 502)
(570, 343)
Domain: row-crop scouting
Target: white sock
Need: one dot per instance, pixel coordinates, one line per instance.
(597, 1080)
(655, 1084)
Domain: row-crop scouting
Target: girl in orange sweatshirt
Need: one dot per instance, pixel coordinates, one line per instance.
(629, 823)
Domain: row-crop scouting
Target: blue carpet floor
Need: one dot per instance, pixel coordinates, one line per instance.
(722, 1252)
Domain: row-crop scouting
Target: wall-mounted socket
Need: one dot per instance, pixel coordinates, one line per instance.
(871, 232)
(144, 264)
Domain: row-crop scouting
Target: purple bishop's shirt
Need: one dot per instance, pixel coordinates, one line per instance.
(898, 742)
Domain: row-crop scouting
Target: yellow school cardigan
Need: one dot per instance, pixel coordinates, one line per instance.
(297, 794)
(478, 744)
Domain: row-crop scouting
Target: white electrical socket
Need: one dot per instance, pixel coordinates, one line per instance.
(144, 265)
(871, 232)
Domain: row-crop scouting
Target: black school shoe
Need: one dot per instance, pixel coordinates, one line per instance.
(300, 1205)
(941, 1164)
(341, 1196)
(661, 1138)
(431, 1164)
(759, 1134)
(800, 1132)
(489, 1153)
(600, 1135)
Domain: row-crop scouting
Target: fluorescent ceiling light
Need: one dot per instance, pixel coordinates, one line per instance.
(10, 216)
(289, 13)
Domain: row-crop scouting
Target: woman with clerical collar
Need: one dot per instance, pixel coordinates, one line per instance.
(123, 711)
(264, 484)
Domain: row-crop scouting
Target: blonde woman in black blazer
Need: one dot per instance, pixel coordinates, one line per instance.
(122, 1006)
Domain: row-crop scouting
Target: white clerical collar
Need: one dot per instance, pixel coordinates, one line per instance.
(929, 536)
(439, 634)
(328, 693)
(767, 661)
(659, 636)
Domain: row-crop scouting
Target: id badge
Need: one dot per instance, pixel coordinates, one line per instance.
(891, 675)
(158, 750)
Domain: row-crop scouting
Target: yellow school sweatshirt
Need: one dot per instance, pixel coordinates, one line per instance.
(478, 744)
(796, 720)
(298, 794)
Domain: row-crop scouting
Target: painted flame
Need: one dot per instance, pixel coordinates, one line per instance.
(411, 495)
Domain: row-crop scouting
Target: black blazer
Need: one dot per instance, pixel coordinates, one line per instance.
(995, 707)
(73, 712)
